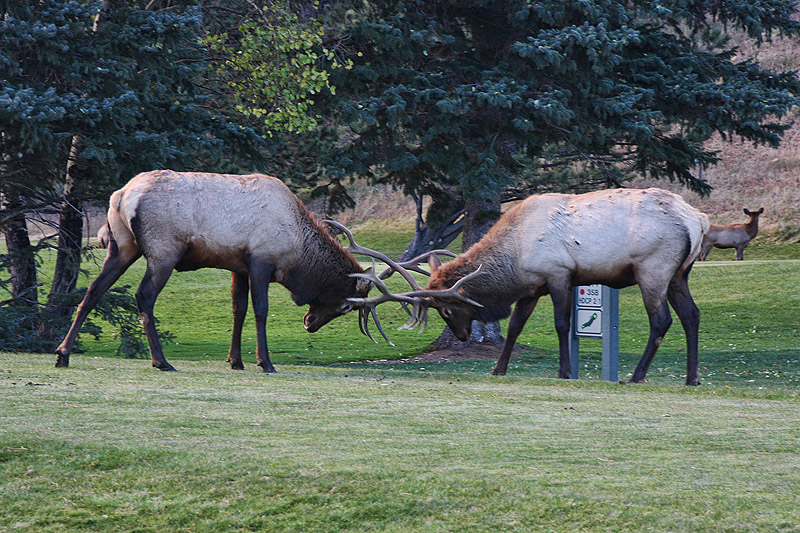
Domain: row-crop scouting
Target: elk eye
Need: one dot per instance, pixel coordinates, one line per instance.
(447, 313)
(345, 308)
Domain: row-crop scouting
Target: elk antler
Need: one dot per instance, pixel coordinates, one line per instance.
(402, 268)
(420, 301)
(413, 264)
(368, 306)
(419, 298)
(356, 249)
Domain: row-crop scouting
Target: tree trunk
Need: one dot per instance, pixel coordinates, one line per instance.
(479, 216)
(68, 259)
(70, 231)
(21, 260)
(440, 227)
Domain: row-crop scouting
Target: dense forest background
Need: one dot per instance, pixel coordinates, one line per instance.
(452, 109)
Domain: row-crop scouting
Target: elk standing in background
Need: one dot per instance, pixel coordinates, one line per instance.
(549, 243)
(251, 225)
(732, 235)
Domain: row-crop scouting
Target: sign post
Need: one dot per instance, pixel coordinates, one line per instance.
(595, 314)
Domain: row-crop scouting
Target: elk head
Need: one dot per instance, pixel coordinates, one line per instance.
(457, 311)
(320, 313)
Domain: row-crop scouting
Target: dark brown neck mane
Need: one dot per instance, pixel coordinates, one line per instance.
(752, 225)
(321, 275)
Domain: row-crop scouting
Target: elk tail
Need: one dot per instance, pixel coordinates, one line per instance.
(697, 229)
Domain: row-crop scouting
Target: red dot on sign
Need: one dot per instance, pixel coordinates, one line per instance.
(581, 291)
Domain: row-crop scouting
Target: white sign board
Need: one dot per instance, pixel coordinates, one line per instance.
(588, 311)
(589, 296)
(595, 314)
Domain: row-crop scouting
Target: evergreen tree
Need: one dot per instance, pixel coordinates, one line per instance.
(495, 100)
(506, 96)
(90, 94)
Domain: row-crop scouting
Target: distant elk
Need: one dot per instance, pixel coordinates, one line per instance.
(732, 235)
(549, 243)
(252, 225)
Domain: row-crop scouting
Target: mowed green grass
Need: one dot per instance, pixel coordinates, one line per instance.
(112, 445)
(331, 442)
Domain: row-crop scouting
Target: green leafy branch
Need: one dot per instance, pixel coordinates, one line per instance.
(275, 66)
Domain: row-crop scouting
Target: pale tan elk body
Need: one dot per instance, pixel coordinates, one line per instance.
(549, 243)
(732, 235)
(252, 225)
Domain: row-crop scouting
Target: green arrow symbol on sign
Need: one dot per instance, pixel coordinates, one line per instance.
(589, 322)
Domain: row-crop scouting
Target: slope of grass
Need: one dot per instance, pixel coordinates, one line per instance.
(333, 443)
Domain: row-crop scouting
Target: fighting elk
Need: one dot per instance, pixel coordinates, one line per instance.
(732, 235)
(252, 225)
(549, 243)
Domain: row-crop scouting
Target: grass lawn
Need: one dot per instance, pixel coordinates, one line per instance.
(115, 445)
(334, 443)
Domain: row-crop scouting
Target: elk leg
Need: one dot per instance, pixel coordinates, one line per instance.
(562, 301)
(660, 321)
(155, 277)
(522, 311)
(681, 300)
(740, 253)
(116, 263)
(706, 247)
(260, 273)
(240, 286)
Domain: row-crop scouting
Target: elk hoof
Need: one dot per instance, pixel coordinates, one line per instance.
(165, 367)
(62, 360)
(237, 365)
(693, 382)
(496, 372)
(267, 368)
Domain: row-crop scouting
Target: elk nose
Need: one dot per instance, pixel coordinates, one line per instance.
(462, 335)
(309, 321)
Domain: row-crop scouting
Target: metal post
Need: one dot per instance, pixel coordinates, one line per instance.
(574, 340)
(598, 310)
(610, 362)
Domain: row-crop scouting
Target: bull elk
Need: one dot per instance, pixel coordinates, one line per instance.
(252, 225)
(732, 235)
(549, 243)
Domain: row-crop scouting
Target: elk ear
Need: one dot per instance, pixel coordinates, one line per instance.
(760, 210)
(363, 285)
(746, 211)
(434, 262)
